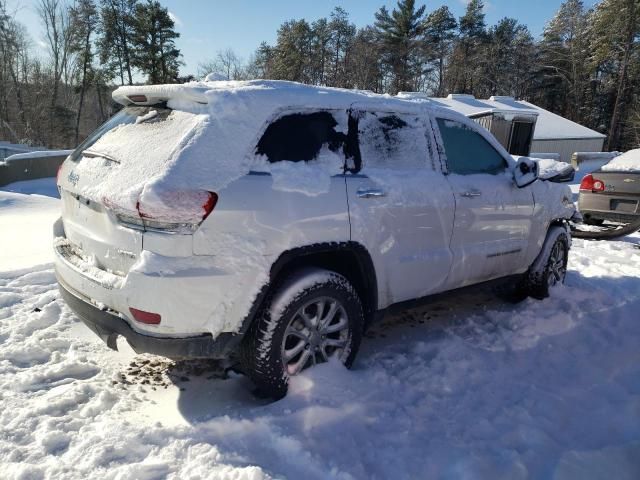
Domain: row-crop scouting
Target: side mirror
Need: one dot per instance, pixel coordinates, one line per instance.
(526, 172)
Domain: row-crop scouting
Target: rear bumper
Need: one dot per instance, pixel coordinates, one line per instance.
(195, 296)
(108, 325)
(600, 206)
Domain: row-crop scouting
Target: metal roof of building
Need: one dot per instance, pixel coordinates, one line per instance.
(549, 126)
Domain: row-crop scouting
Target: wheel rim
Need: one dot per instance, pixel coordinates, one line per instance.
(317, 331)
(557, 269)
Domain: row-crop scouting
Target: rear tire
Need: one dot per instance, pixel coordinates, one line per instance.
(315, 314)
(550, 268)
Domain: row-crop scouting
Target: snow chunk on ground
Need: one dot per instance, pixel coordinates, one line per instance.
(627, 162)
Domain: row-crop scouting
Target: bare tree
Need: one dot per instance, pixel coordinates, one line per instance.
(225, 64)
(56, 19)
(84, 16)
(13, 58)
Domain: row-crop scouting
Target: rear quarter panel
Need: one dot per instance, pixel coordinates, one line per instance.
(252, 218)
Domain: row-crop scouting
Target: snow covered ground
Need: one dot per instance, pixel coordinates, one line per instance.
(471, 387)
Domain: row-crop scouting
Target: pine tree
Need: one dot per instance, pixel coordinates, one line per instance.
(400, 34)
(440, 30)
(466, 57)
(342, 34)
(504, 53)
(616, 32)
(292, 58)
(261, 65)
(320, 36)
(115, 41)
(564, 52)
(364, 68)
(156, 54)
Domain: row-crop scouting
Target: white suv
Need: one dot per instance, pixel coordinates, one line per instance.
(271, 222)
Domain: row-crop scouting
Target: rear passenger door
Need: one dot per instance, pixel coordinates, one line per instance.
(493, 216)
(400, 205)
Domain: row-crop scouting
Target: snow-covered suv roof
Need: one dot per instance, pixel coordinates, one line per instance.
(274, 92)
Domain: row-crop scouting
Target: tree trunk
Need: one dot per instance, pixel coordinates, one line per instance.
(85, 65)
(614, 129)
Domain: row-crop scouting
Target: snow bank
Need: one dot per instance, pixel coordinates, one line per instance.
(27, 212)
(627, 162)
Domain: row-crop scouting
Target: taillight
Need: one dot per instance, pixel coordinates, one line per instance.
(210, 204)
(145, 317)
(168, 211)
(591, 184)
(58, 174)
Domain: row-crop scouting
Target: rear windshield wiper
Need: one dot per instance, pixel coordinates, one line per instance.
(94, 154)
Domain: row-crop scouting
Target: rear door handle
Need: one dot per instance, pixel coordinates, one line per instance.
(471, 193)
(370, 193)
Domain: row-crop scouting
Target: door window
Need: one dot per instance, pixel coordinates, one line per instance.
(389, 140)
(467, 151)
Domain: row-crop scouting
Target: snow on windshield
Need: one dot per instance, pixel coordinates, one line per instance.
(627, 162)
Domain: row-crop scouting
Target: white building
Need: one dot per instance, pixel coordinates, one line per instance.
(522, 127)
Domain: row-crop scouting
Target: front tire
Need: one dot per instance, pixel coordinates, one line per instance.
(314, 315)
(550, 268)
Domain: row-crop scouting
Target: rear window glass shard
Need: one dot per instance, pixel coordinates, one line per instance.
(300, 137)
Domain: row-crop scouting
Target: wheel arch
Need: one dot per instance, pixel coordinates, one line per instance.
(349, 259)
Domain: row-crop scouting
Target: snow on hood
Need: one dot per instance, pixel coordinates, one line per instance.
(627, 162)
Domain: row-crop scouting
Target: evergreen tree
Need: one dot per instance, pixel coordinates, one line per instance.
(292, 57)
(504, 52)
(156, 54)
(616, 32)
(400, 34)
(115, 41)
(564, 53)
(466, 57)
(440, 30)
(320, 36)
(261, 65)
(365, 69)
(342, 34)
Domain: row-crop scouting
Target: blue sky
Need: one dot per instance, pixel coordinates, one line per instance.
(207, 26)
